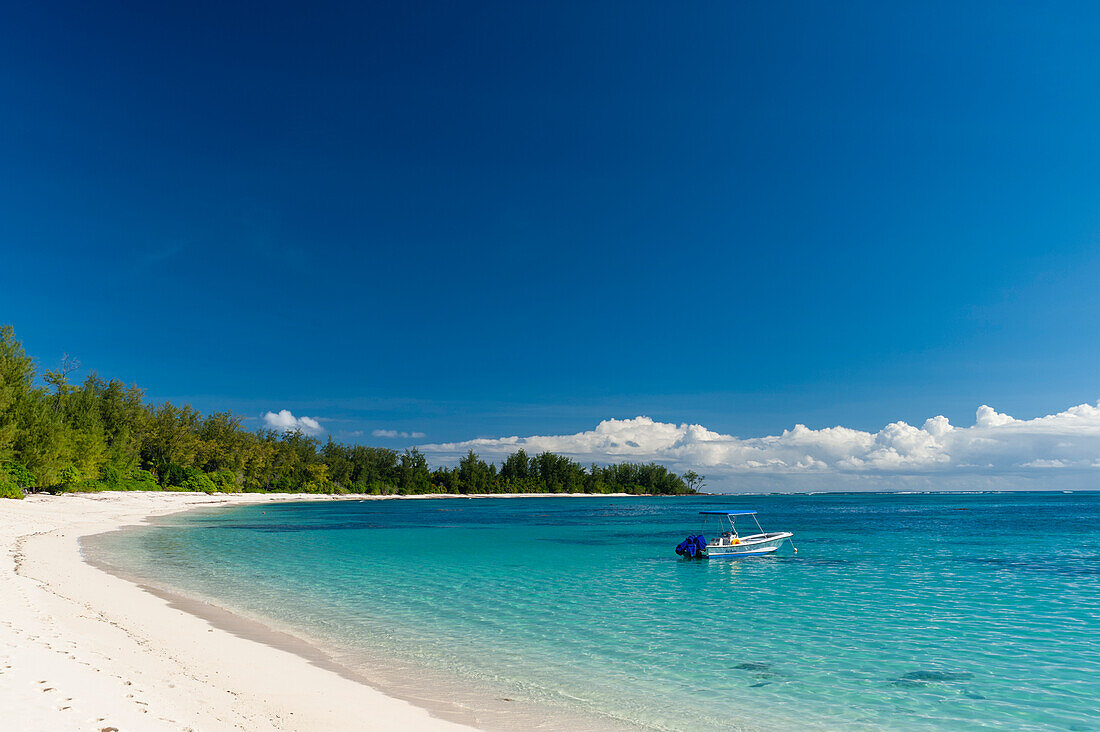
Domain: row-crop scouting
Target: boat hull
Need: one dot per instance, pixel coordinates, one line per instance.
(749, 547)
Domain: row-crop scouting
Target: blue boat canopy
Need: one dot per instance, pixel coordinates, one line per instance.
(741, 512)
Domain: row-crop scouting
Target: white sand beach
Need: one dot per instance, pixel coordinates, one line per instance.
(81, 649)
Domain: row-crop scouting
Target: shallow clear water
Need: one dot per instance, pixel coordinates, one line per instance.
(899, 611)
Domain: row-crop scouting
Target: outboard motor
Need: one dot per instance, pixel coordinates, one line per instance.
(692, 547)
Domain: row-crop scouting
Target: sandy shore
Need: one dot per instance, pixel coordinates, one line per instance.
(81, 649)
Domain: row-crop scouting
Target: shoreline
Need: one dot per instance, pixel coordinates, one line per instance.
(108, 649)
(83, 648)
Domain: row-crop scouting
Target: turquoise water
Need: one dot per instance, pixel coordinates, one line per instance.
(898, 611)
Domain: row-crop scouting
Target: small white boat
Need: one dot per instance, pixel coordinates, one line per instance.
(728, 542)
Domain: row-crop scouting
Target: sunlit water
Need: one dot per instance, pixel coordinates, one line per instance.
(898, 611)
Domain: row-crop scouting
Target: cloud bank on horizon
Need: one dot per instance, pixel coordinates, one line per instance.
(997, 451)
(397, 433)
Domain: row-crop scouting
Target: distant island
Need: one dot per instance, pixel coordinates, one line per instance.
(102, 435)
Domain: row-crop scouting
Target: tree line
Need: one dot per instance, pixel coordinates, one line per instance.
(103, 435)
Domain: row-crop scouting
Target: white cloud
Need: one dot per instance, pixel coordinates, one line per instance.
(996, 446)
(989, 417)
(395, 433)
(284, 421)
(1044, 463)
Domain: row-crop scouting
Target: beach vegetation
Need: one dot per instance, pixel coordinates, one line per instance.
(63, 435)
(71, 478)
(694, 480)
(196, 480)
(14, 480)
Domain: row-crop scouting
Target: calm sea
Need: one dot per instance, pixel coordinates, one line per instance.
(933, 611)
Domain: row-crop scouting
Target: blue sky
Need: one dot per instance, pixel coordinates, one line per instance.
(478, 220)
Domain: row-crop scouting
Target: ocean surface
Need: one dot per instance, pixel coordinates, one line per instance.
(929, 611)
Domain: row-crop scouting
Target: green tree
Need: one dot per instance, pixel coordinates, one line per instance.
(414, 476)
(15, 480)
(59, 379)
(694, 480)
(196, 480)
(70, 478)
(223, 444)
(516, 472)
(172, 438)
(16, 380)
(474, 475)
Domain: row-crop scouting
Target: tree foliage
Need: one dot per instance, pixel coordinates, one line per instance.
(100, 434)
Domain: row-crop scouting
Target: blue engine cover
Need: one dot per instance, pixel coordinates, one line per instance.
(691, 547)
